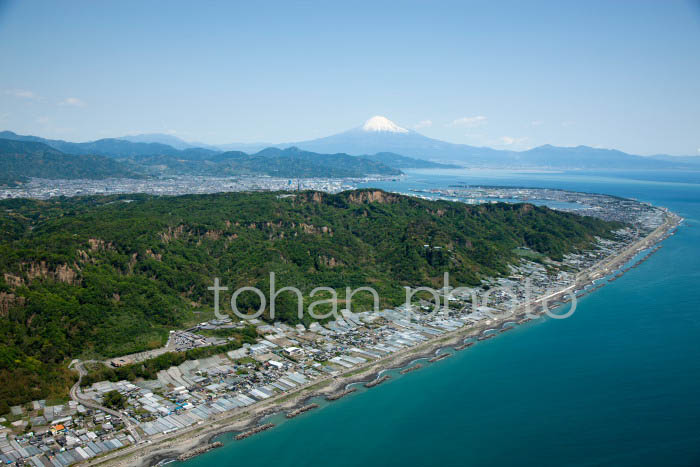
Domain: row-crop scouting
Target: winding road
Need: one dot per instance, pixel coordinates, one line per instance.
(76, 393)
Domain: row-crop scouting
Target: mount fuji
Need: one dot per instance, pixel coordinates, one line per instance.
(379, 134)
(383, 141)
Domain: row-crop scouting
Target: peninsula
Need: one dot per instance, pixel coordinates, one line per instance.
(219, 376)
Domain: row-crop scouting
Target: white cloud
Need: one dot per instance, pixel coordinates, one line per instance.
(536, 123)
(42, 120)
(469, 122)
(423, 124)
(72, 101)
(509, 140)
(22, 94)
(567, 123)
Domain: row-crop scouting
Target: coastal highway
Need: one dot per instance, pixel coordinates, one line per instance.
(75, 394)
(175, 442)
(609, 264)
(613, 262)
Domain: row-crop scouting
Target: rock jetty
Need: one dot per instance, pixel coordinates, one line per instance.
(335, 397)
(439, 357)
(413, 368)
(254, 431)
(464, 346)
(200, 450)
(377, 382)
(301, 410)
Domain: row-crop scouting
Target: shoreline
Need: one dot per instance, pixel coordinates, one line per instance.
(169, 446)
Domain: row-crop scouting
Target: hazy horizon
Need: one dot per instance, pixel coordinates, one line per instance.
(256, 144)
(510, 76)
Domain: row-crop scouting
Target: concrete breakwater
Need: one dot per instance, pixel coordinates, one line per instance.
(413, 368)
(621, 272)
(464, 346)
(301, 410)
(254, 431)
(646, 257)
(377, 382)
(439, 357)
(487, 336)
(200, 450)
(335, 397)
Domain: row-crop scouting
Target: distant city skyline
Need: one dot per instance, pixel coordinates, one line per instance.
(617, 75)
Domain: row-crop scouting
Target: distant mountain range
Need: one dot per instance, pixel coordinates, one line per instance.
(398, 161)
(287, 163)
(146, 157)
(20, 160)
(109, 147)
(379, 134)
(169, 140)
(379, 146)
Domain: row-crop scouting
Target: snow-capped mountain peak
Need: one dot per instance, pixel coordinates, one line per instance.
(379, 123)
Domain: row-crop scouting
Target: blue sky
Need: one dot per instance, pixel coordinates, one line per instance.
(618, 74)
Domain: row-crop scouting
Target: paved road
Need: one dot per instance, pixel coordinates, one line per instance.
(76, 395)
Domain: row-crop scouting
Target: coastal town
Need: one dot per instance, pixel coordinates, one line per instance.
(606, 207)
(40, 188)
(287, 361)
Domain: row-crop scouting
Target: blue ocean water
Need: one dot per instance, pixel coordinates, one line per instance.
(618, 383)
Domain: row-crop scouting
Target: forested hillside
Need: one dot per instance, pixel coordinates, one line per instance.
(112, 275)
(287, 163)
(20, 160)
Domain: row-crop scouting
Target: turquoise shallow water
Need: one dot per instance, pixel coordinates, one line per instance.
(618, 383)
